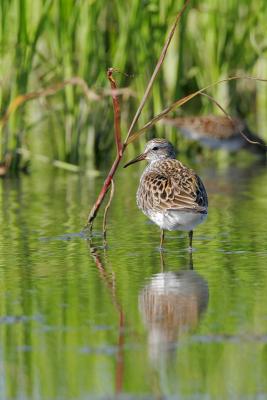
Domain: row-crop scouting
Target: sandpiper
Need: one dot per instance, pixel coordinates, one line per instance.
(170, 194)
(219, 132)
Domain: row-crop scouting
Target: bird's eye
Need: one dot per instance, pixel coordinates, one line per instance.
(155, 148)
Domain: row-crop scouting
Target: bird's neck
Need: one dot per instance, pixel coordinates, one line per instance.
(151, 163)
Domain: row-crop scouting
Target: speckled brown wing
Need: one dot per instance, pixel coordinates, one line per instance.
(171, 186)
(219, 127)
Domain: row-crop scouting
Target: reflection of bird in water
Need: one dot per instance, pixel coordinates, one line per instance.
(171, 305)
(218, 132)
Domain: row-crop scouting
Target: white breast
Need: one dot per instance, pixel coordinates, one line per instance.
(175, 220)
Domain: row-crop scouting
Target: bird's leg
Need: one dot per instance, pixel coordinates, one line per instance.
(190, 240)
(161, 239)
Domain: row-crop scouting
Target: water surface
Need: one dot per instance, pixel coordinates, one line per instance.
(81, 322)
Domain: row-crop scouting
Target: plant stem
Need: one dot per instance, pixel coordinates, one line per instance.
(103, 192)
(117, 112)
(121, 148)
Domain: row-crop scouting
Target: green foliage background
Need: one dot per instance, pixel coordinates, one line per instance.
(50, 41)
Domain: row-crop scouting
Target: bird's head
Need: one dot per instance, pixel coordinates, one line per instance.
(155, 150)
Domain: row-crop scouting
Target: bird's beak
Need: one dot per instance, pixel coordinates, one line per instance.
(138, 158)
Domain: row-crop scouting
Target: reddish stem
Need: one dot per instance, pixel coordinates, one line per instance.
(105, 187)
(120, 149)
(117, 112)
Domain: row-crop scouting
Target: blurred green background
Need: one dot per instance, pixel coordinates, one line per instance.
(50, 41)
(74, 319)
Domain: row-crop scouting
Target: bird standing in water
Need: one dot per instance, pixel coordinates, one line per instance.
(170, 194)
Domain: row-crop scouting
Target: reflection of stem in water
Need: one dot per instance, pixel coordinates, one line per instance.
(111, 286)
(120, 355)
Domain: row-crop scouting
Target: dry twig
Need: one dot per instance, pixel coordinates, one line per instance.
(51, 90)
(106, 211)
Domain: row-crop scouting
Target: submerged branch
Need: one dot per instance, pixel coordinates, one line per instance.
(45, 159)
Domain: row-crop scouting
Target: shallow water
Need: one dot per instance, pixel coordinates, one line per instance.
(81, 322)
